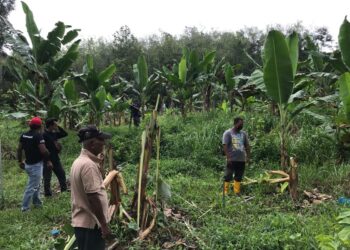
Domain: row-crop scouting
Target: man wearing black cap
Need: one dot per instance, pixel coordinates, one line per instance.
(52, 134)
(88, 194)
(33, 144)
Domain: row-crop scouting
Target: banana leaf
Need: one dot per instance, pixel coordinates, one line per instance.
(278, 70)
(344, 42)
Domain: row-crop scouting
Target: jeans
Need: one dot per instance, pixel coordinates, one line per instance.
(89, 239)
(59, 172)
(32, 191)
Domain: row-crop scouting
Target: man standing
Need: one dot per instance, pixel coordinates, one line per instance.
(237, 151)
(135, 113)
(33, 144)
(88, 194)
(52, 133)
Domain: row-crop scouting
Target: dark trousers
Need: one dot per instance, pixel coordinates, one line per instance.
(236, 168)
(89, 239)
(59, 172)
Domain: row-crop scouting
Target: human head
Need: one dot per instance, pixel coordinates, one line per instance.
(51, 123)
(93, 139)
(35, 123)
(238, 123)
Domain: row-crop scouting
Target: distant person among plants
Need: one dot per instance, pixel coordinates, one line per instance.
(52, 134)
(33, 144)
(88, 194)
(237, 151)
(135, 113)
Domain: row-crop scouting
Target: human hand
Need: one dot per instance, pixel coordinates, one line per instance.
(21, 165)
(106, 232)
(55, 124)
(49, 165)
(58, 146)
(101, 156)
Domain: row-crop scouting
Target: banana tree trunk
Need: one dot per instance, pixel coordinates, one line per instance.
(284, 153)
(207, 98)
(182, 109)
(65, 121)
(232, 98)
(283, 136)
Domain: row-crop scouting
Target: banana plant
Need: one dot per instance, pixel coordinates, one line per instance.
(141, 81)
(95, 86)
(208, 79)
(237, 92)
(117, 107)
(280, 59)
(46, 60)
(187, 76)
(283, 85)
(343, 125)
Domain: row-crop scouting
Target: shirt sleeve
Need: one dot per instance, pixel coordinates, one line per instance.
(39, 139)
(226, 138)
(90, 179)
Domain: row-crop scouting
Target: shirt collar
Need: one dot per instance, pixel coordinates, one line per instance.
(85, 152)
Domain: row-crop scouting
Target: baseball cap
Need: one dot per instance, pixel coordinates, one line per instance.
(35, 121)
(50, 121)
(91, 131)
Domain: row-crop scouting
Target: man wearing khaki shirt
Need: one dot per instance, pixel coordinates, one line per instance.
(88, 194)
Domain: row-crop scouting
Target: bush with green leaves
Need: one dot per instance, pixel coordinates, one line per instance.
(340, 239)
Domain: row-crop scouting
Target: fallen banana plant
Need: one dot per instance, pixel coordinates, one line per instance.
(279, 176)
(142, 207)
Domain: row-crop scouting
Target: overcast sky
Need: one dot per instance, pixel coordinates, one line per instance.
(144, 17)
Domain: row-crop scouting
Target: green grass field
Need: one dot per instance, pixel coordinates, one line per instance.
(192, 164)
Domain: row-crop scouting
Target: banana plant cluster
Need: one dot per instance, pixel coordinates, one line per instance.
(94, 86)
(41, 70)
(186, 77)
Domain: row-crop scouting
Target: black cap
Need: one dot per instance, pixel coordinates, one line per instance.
(50, 121)
(91, 131)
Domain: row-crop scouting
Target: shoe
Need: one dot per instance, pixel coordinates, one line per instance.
(226, 187)
(23, 210)
(237, 187)
(38, 206)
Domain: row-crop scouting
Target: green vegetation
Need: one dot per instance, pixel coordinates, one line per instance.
(269, 220)
(294, 98)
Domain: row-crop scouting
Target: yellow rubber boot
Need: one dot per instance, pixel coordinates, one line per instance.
(226, 187)
(237, 187)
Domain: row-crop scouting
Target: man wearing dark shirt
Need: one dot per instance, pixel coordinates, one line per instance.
(33, 144)
(51, 136)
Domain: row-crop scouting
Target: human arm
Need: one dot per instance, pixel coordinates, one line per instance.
(226, 139)
(96, 208)
(228, 158)
(61, 132)
(44, 151)
(46, 155)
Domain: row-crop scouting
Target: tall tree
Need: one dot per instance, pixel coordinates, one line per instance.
(126, 51)
(6, 6)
